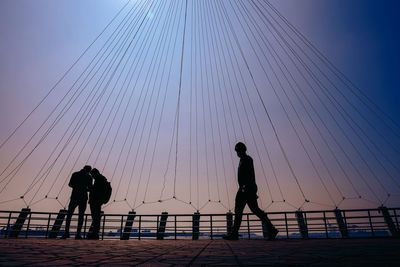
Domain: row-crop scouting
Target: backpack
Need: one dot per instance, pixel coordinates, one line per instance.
(107, 191)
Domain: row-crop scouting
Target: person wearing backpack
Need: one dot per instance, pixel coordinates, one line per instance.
(99, 194)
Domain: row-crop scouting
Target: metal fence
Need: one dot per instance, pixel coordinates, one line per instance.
(380, 222)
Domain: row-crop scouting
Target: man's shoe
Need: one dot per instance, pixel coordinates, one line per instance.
(272, 233)
(65, 235)
(231, 237)
(78, 237)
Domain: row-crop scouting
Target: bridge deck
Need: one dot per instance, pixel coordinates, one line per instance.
(328, 252)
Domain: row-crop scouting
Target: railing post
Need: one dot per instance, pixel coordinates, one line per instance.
(326, 225)
(8, 225)
(85, 226)
(370, 224)
(286, 226)
(302, 224)
(395, 218)
(29, 223)
(158, 223)
(248, 226)
(229, 222)
(389, 221)
(264, 228)
(128, 226)
(57, 223)
(140, 227)
(104, 224)
(16, 228)
(175, 227)
(48, 226)
(195, 225)
(161, 227)
(211, 227)
(121, 230)
(341, 223)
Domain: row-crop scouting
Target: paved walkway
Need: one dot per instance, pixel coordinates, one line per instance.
(351, 252)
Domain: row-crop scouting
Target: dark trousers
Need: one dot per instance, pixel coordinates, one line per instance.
(73, 203)
(95, 209)
(243, 198)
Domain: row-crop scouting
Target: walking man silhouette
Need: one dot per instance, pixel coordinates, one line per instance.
(247, 194)
(97, 197)
(81, 183)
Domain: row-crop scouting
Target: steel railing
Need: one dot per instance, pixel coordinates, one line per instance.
(291, 224)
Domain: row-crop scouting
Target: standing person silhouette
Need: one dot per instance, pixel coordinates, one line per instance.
(96, 199)
(81, 183)
(247, 194)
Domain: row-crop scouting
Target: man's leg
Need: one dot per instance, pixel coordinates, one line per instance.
(96, 220)
(82, 209)
(71, 208)
(95, 226)
(253, 205)
(240, 203)
(90, 232)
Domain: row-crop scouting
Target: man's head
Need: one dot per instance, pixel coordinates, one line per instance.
(240, 149)
(87, 168)
(95, 173)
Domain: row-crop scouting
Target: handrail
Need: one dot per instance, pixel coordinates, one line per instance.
(211, 214)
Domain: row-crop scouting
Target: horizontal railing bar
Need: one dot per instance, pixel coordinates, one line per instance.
(219, 214)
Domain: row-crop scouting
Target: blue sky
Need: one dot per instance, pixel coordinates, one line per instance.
(361, 37)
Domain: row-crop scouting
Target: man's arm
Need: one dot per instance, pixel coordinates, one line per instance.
(250, 175)
(72, 181)
(251, 172)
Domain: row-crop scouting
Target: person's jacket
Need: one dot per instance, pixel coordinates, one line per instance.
(246, 175)
(80, 182)
(96, 195)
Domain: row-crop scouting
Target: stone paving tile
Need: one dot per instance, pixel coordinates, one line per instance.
(326, 252)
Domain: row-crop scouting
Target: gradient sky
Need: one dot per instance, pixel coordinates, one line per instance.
(41, 39)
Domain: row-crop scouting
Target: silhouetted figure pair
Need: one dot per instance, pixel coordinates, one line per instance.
(247, 194)
(81, 184)
(99, 193)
